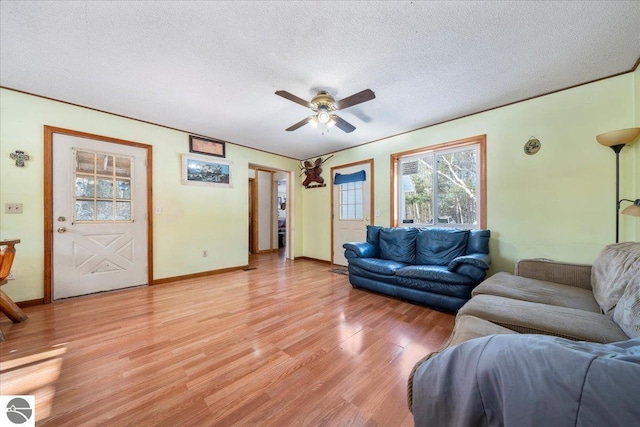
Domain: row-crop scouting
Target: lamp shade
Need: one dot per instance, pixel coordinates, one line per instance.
(618, 137)
(633, 210)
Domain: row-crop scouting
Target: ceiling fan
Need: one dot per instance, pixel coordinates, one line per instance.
(323, 106)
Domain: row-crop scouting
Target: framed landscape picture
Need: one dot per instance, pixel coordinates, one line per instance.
(200, 170)
(210, 147)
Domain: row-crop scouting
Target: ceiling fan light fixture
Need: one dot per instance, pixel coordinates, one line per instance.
(323, 105)
(323, 116)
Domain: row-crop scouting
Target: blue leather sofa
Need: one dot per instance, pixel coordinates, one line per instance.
(438, 267)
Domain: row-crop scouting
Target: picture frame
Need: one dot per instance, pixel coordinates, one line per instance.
(201, 170)
(210, 147)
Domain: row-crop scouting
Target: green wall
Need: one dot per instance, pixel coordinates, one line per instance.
(193, 217)
(556, 204)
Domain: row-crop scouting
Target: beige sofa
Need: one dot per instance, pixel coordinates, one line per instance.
(597, 303)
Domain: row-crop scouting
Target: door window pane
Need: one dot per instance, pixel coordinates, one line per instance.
(84, 210)
(104, 164)
(104, 211)
(85, 162)
(84, 186)
(123, 189)
(123, 211)
(123, 166)
(102, 192)
(104, 188)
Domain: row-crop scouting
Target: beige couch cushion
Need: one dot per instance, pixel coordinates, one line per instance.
(627, 311)
(525, 289)
(470, 327)
(609, 276)
(535, 318)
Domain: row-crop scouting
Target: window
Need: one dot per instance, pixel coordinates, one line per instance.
(351, 201)
(102, 187)
(441, 185)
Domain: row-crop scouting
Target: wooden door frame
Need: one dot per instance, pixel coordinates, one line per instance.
(371, 194)
(49, 131)
(253, 205)
(289, 236)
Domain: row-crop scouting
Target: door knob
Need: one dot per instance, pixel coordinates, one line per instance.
(61, 229)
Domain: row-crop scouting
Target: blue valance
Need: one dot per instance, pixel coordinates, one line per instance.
(351, 177)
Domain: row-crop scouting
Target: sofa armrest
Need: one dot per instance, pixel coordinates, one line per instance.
(360, 250)
(570, 274)
(478, 260)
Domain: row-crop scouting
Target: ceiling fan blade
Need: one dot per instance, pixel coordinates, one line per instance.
(342, 124)
(292, 97)
(299, 124)
(350, 101)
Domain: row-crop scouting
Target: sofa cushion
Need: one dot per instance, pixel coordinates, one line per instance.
(471, 327)
(436, 273)
(478, 241)
(525, 289)
(373, 234)
(376, 265)
(439, 246)
(463, 292)
(609, 276)
(627, 311)
(398, 244)
(534, 318)
(355, 271)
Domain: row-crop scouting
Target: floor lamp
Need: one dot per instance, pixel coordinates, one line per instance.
(616, 140)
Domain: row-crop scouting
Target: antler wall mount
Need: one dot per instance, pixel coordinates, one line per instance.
(312, 170)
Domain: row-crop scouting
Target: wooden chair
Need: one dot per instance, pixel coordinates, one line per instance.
(7, 306)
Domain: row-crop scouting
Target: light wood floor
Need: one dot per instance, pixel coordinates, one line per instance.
(285, 344)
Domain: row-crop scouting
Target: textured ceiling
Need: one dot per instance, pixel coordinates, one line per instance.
(211, 68)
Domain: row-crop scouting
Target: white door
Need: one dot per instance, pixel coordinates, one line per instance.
(351, 209)
(99, 216)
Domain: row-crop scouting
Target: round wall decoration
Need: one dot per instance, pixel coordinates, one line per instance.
(532, 146)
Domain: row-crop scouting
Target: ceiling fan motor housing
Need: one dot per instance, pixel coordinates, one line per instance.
(323, 101)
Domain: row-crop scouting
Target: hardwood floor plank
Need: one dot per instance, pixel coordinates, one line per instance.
(285, 343)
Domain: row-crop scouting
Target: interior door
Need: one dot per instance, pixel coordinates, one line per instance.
(351, 207)
(99, 216)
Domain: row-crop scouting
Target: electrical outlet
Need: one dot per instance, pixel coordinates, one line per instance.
(205, 253)
(12, 275)
(13, 208)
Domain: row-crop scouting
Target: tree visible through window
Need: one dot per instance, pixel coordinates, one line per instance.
(440, 186)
